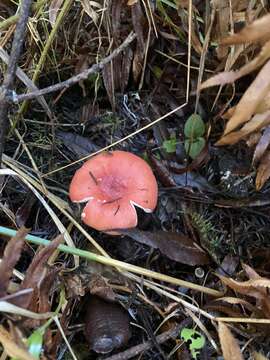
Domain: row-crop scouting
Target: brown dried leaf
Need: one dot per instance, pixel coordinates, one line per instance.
(35, 274)
(229, 345)
(263, 172)
(249, 287)
(255, 287)
(251, 99)
(264, 104)
(228, 77)
(106, 325)
(262, 145)
(222, 25)
(175, 246)
(237, 301)
(258, 122)
(24, 211)
(80, 146)
(11, 348)
(12, 254)
(138, 22)
(258, 30)
(53, 10)
(99, 286)
(116, 74)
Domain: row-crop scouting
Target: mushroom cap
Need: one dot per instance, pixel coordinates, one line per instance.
(112, 184)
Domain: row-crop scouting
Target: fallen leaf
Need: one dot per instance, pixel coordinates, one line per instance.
(175, 246)
(229, 346)
(11, 348)
(228, 77)
(79, 145)
(222, 26)
(263, 172)
(35, 274)
(106, 325)
(24, 211)
(12, 254)
(99, 286)
(257, 122)
(262, 145)
(255, 287)
(250, 100)
(258, 30)
(138, 22)
(116, 73)
(193, 180)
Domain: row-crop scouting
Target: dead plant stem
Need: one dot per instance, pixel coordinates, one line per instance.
(81, 76)
(10, 75)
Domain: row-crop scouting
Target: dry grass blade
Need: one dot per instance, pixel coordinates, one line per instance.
(13, 309)
(11, 348)
(229, 346)
(228, 77)
(258, 30)
(263, 173)
(250, 100)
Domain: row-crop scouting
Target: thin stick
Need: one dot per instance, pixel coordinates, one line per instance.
(10, 75)
(81, 76)
(112, 262)
(138, 349)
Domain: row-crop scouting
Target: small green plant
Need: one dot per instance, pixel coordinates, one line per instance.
(194, 131)
(170, 145)
(208, 234)
(194, 340)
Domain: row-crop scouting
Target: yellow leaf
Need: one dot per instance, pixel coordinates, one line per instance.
(229, 346)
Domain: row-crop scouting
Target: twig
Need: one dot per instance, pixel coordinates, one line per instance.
(81, 76)
(9, 78)
(136, 350)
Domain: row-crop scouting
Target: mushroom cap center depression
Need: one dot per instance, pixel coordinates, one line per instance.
(113, 187)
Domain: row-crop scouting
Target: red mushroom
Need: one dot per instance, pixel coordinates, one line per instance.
(112, 184)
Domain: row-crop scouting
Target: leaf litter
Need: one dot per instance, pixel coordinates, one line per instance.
(212, 213)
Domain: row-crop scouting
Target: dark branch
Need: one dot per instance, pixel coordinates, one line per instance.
(9, 77)
(138, 349)
(81, 76)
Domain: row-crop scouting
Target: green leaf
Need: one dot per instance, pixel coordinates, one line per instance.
(194, 127)
(35, 342)
(170, 145)
(194, 148)
(195, 339)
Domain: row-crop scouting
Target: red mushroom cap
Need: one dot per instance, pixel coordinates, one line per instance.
(112, 184)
